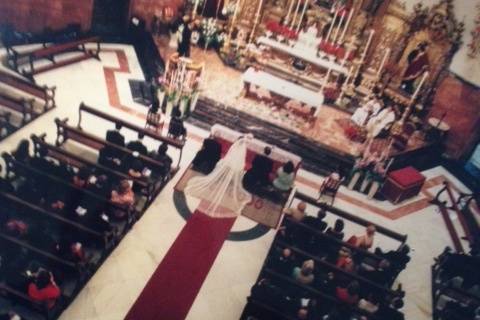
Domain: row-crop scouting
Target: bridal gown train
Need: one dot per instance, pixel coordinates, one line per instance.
(221, 192)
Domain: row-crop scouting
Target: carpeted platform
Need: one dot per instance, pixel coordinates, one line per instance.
(173, 287)
(261, 210)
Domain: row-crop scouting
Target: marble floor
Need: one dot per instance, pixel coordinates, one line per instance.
(112, 290)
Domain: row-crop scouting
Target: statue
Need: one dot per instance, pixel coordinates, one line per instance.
(418, 63)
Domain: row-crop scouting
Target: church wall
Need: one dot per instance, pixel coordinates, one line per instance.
(36, 15)
(146, 9)
(461, 103)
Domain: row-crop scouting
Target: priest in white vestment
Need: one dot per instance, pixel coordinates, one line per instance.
(380, 121)
(371, 108)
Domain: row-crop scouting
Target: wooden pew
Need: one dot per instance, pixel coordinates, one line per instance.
(102, 237)
(44, 93)
(66, 132)
(16, 58)
(64, 156)
(19, 297)
(175, 143)
(332, 268)
(22, 106)
(345, 215)
(355, 250)
(13, 167)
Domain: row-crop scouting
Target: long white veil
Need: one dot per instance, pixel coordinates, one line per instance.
(221, 191)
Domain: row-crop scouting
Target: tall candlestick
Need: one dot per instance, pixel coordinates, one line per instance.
(350, 15)
(287, 18)
(382, 64)
(417, 91)
(257, 16)
(195, 7)
(331, 26)
(303, 14)
(234, 18)
(338, 29)
(370, 37)
(295, 14)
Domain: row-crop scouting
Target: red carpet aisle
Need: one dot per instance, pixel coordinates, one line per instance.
(170, 292)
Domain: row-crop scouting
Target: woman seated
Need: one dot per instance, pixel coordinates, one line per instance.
(349, 294)
(337, 230)
(304, 274)
(285, 177)
(345, 260)
(80, 179)
(43, 288)
(124, 196)
(366, 241)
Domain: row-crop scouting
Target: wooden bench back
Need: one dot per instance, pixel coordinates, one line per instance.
(353, 218)
(59, 48)
(44, 93)
(66, 132)
(175, 143)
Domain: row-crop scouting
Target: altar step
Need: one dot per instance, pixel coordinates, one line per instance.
(317, 158)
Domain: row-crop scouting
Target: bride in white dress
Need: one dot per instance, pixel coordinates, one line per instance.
(221, 192)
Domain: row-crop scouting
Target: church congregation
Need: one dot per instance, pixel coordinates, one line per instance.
(240, 159)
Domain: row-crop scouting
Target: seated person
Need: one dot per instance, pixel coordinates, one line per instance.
(297, 213)
(317, 222)
(349, 294)
(363, 113)
(345, 260)
(285, 177)
(337, 230)
(162, 157)
(381, 274)
(115, 137)
(22, 153)
(5, 185)
(138, 145)
(40, 162)
(207, 157)
(80, 179)
(390, 311)
(110, 158)
(176, 127)
(282, 260)
(304, 274)
(381, 122)
(124, 196)
(43, 288)
(369, 304)
(257, 177)
(135, 169)
(365, 241)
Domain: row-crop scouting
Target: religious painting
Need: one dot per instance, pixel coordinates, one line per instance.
(474, 45)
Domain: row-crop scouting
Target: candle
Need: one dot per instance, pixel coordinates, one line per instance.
(346, 26)
(289, 12)
(382, 64)
(417, 91)
(234, 18)
(349, 75)
(195, 7)
(331, 26)
(370, 37)
(295, 14)
(338, 29)
(303, 14)
(257, 16)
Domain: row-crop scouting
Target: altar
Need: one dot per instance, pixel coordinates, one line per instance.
(279, 87)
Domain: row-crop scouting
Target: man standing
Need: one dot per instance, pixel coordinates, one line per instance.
(184, 41)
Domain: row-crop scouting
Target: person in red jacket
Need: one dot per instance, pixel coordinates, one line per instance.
(44, 289)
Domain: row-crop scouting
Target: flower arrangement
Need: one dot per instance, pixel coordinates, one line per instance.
(211, 33)
(229, 9)
(281, 30)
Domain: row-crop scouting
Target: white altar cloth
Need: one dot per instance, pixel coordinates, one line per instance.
(304, 55)
(283, 87)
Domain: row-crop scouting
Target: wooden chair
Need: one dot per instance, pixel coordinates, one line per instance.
(330, 187)
(154, 121)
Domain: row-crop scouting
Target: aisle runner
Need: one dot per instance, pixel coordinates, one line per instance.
(170, 292)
